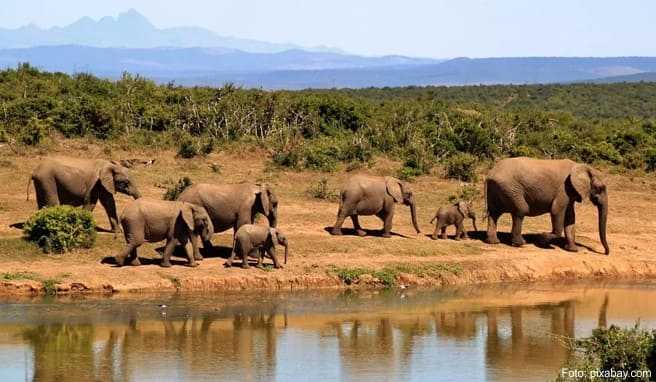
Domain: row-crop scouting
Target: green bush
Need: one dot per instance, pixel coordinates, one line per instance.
(187, 149)
(650, 159)
(176, 189)
(467, 193)
(321, 190)
(60, 229)
(34, 132)
(462, 166)
(630, 349)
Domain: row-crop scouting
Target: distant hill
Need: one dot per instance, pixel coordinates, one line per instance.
(133, 30)
(640, 77)
(296, 69)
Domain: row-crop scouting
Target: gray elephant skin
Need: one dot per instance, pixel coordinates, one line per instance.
(149, 220)
(454, 214)
(82, 182)
(233, 205)
(532, 187)
(372, 195)
(256, 240)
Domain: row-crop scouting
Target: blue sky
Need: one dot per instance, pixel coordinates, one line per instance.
(429, 28)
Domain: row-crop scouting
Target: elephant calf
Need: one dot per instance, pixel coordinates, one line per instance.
(254, 237)
(453, 215)
(148, 220)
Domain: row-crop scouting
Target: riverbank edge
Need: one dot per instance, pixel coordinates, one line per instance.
(476, 272)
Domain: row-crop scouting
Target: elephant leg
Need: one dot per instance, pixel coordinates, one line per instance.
(460, 230)
(435, 233)
(107, 201)
(260, 258)
(244, 257)
(387, 223)
(492, 219)
(130, 249)
(557, 226)
(517, 239)
(168, 250)
(195, 251)
(356, 224)
(341, 215)
(443, 234)
(463, 231)
(274, 257)
(134, 258)
(208, 247)
(570, 229)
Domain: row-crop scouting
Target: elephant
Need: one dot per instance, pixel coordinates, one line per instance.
(260, 238)
(150, 220)
(233, 205)
(531, 187)
(82, 182)
(373, 195)
(454, 214)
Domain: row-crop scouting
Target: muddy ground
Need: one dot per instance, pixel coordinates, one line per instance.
(318, 260)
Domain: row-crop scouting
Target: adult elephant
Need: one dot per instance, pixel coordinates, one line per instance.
(532, 187)
(82, 182)
(233, 205)
(373, 195)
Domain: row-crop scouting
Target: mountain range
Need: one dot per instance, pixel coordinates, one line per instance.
(196, 56)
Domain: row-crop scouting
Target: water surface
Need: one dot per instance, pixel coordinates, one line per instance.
(505, 333)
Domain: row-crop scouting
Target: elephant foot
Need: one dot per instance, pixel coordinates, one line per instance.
(245, 266)
(457, 238)
(198, 257)
(386, 235)
(135, 262)
(278, 266)
(227, 264)
(165, 264)
(434, 237)
(336, 232)
(193, 265)
(360, 232)
(571, 248)
(492, 240)
(518, 243)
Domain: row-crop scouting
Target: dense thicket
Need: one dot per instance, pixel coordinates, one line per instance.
(321, 129)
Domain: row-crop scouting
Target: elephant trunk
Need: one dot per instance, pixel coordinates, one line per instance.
(603, 217)
(273, 218)
(286, 252)
(474, 224)
(413, 213)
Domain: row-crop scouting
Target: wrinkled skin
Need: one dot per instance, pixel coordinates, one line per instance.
(371, 195)
(532, 187)
(82, 182)
(149, 220)
(453, 215)
(256, 240)
(233, 205)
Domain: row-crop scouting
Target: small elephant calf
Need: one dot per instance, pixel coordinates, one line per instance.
(453, 215)
(149, 220)
(255, 237)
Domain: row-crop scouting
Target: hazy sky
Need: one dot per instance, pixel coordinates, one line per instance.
(430, 28)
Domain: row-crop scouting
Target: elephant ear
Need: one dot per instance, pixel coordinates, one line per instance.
(463, 208)
(394, 188)
(580, 178)
(264, 198)
(106, 177)
(187, 215)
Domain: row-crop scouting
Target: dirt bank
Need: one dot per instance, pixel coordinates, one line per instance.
(317, 259)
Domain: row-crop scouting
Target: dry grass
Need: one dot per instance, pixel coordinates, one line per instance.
(632, 222)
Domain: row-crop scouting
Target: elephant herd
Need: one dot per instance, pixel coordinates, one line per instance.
(518, 186)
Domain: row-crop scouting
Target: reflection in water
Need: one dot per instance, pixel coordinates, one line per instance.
(409, 336)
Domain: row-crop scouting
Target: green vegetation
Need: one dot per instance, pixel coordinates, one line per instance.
(15, 276)
(388, 275)
(177, 188)
(325, 130)
(467, 193)
(621, 350)
(60, 229)
(321, 190)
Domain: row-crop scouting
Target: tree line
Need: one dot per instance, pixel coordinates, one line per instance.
(457, 127)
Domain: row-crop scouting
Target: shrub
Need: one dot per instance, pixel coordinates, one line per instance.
(617, 349)
(34, 133)
(176, 189)
(467, 193)
(461, 166)
(322, 191)
(62, 228)
(207, 148)
(650, 159)
(321, 157)
(187, 149)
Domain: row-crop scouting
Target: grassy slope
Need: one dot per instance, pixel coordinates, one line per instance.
(316, 257)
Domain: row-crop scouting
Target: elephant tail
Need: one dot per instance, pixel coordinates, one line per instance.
(486, 212)
(29, 182)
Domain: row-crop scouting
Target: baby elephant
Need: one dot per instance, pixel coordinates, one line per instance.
(254, 237)
(453, 215)
(148, 220)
